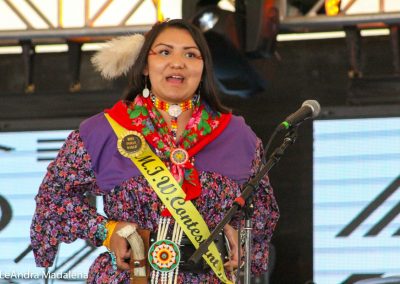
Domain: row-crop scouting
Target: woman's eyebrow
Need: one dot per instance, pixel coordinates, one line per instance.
(170, 46)
(167, 45)
(191, 47)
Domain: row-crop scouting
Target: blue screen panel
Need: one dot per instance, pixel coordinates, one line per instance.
(356, 199)
(24, 157)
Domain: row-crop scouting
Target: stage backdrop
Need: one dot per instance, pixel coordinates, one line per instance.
(356, 199)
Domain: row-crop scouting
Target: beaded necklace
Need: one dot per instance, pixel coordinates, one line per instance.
(175, 110)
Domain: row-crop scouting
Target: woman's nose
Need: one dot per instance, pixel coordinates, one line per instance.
(177, 61)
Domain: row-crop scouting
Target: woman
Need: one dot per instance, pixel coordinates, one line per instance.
(173, 107)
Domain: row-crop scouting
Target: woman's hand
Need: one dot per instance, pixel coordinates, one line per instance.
(120, 247)
(232, 236)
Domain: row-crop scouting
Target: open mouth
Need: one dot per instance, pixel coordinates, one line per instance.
(175, 79)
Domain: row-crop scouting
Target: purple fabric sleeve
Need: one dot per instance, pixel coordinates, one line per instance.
(110, 167)
(231, 153)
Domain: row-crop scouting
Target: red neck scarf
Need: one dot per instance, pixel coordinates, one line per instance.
(203, 127)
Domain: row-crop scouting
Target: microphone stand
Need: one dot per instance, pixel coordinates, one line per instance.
(244, 202)
(248, 227)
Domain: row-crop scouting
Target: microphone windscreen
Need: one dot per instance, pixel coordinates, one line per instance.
(314, 105)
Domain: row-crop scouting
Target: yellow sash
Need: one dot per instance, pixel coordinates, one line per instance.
(132, 145)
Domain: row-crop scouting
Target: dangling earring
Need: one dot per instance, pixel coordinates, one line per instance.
(146, 91)
(196, 97)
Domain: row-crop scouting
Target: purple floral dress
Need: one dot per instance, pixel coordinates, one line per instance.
(63, 212)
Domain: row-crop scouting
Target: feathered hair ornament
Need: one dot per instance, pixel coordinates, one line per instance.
(118, 56)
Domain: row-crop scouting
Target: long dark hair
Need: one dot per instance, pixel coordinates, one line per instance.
(208, 90)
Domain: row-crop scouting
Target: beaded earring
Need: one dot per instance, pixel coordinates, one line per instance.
(146, 91)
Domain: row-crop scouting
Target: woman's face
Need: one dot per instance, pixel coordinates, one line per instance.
(174, 66)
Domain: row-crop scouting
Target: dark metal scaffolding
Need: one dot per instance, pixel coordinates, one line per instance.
(351, 24)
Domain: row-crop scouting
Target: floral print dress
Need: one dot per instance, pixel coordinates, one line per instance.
(64, 213)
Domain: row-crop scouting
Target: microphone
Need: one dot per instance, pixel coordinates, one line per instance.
(309, 109)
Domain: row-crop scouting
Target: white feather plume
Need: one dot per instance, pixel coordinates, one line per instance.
(118, 56)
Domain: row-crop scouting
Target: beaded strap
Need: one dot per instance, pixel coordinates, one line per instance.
(104, 232)
(101, 232)
(113, 260)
